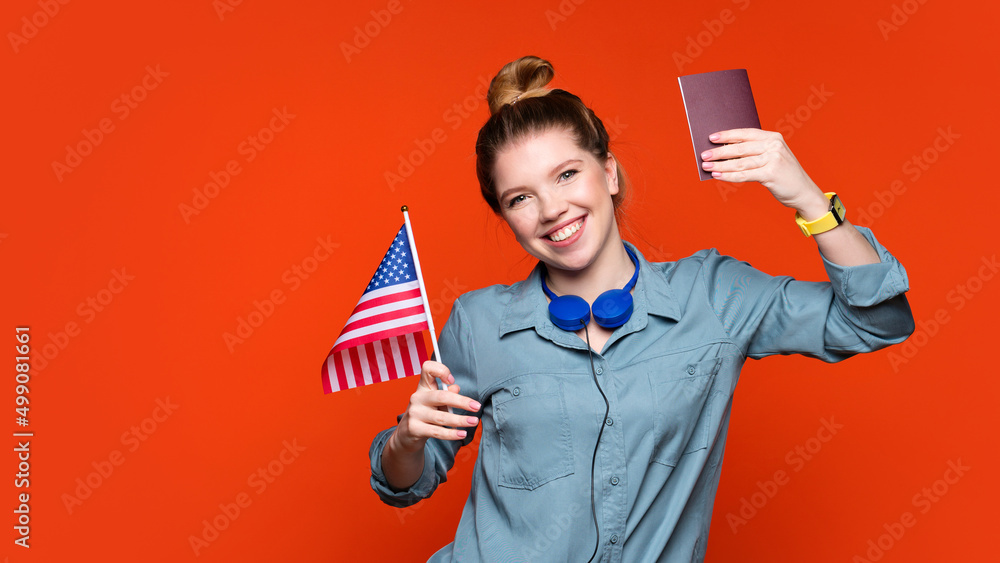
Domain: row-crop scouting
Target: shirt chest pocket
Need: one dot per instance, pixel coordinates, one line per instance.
(683, 418)
(533, 429)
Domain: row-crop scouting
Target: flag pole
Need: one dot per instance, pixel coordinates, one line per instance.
(423, 290)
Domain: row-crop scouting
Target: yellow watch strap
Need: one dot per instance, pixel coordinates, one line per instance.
(825, 223)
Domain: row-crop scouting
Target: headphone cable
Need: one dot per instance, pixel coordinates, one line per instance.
(593, 461)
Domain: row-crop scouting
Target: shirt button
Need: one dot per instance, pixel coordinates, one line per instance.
(609, 421)
(599, 370)
(614, 538)
(516, 391)
(614, 480)
(690, 370)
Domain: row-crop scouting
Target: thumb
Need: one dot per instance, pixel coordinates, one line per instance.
(432, 372)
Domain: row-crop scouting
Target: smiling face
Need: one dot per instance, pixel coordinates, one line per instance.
(556, 198)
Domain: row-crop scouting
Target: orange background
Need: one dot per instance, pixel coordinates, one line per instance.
(369, 83)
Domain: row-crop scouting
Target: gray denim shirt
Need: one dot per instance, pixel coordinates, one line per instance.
(669, 374)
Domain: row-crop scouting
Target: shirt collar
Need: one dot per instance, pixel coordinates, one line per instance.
(528, 307)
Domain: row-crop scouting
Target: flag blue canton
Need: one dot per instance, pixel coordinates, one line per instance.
(397, 265)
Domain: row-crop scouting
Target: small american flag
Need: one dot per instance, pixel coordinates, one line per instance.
(382, 339)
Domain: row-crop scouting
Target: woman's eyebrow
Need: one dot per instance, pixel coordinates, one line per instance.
(563, 164)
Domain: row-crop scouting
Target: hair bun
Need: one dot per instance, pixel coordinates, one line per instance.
(524, 78)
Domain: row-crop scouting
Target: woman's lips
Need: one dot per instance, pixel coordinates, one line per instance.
(566, 233)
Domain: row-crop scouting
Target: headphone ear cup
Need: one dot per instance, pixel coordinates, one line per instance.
(569, 312)
(613, 308)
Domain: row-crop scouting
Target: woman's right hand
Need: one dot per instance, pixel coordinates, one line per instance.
(427, 416)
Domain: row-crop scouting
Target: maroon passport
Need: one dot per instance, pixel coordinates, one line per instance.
(716, 101)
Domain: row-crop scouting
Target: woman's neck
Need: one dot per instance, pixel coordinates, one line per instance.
(610, 270)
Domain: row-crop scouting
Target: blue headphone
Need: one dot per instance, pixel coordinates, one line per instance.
(611, 309)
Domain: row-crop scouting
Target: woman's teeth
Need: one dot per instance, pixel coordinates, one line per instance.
(565, 232)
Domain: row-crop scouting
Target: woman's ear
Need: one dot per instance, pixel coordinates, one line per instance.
(611, 172)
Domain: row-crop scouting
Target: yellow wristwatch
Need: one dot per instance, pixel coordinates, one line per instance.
(825, 223)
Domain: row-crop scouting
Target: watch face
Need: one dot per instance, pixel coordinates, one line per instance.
(837, 208)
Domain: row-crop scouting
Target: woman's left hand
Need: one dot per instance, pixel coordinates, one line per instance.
(753, 155)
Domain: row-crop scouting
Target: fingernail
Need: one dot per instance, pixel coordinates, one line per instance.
(451, 379)
(462, 433)
(472, 420)
(707, 165)
(716, 174)
(706, 155)
(474, 405)
(714, 137)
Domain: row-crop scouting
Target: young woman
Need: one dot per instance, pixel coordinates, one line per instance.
(603, 439)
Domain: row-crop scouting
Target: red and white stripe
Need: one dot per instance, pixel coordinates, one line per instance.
(374, 362)
(385, 312)
(378, 344)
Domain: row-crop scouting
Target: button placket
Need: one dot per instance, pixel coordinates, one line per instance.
(613, 462)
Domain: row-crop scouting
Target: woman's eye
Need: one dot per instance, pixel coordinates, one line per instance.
(567, 174)
(516, 200)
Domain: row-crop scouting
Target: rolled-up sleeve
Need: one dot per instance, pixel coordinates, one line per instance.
(861, 309)
(458, 354)
(870, 284)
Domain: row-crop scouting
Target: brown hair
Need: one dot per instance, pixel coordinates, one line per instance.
(520, 104)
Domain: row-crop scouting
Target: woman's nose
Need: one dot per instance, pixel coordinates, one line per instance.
(553, 207)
